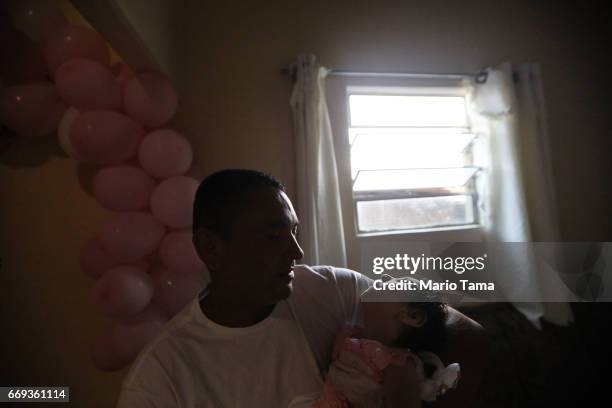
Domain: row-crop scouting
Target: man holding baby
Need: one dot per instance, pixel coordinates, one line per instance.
(264, 332)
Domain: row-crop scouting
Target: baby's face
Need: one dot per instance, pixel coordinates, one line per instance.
(380, 321)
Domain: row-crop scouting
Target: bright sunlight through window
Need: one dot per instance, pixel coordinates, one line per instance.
(411, 161)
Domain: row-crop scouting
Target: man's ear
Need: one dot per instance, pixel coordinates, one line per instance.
(412, 316)
(209, 246)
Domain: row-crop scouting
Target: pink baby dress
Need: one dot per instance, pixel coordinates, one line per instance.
(378, 356)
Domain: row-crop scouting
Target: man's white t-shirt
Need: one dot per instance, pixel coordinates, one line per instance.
(196, 363)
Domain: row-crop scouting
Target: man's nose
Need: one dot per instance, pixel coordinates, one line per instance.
(296, 249)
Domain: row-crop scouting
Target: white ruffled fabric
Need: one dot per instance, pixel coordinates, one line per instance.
(443, 378)
(355, 379)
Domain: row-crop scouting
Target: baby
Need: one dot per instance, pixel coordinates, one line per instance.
(396, 344)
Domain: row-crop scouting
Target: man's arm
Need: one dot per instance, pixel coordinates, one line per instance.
(401, 386)
(467, 344)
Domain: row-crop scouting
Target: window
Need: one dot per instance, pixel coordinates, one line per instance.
(411, 159)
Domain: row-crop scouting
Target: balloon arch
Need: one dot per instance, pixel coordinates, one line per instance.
(62, 83)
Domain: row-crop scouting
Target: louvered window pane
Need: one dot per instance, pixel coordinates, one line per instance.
(411, 213)
(400, 110)
(374, 150)
(378, 180)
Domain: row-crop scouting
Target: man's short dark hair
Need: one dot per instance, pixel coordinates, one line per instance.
(222, 196)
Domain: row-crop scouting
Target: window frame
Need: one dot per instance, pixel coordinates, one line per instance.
(338, 105)
(413, 90)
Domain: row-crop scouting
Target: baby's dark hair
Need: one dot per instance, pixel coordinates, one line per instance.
(431, 336)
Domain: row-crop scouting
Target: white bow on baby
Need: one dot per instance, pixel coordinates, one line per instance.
(442, 379)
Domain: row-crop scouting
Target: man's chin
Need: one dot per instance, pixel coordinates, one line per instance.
(282, 292)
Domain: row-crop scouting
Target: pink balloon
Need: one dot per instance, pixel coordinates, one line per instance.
(37, 18)
(172, 201)
(132, 334)
(72, 41)
(63, 132)
(150, 99)
(134, 234)
(178, 253)
(95, 260)
(105, 137)
(104, 354)
(123, 188)
(122, 72)
(165, 153)
(31, 110)
(123, 291)
(174, 290)
(87, 84)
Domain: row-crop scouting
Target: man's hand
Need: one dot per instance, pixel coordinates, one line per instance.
(401, 386)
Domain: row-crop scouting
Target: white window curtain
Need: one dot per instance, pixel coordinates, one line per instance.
(318, 195)
(515, 186)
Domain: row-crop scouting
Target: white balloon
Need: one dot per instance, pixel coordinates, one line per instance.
(63, 132)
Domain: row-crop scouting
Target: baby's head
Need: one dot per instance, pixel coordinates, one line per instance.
(418, 325)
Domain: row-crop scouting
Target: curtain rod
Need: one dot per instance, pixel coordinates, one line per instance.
(479, 77)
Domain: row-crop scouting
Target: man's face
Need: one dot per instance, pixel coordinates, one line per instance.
(259, 257)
